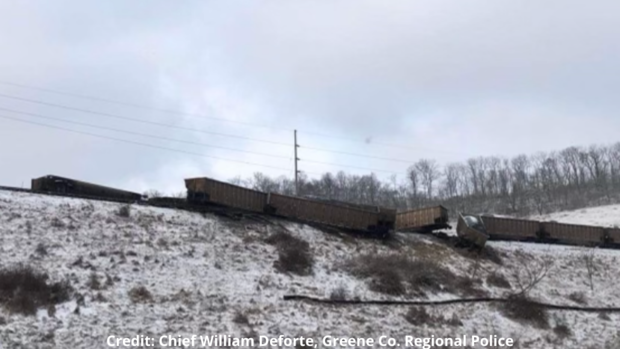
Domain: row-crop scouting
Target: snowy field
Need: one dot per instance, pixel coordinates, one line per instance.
(603, 216)
(207, 276)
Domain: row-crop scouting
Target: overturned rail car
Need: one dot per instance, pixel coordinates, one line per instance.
(471, 230)
(68, 186)
(424, 219)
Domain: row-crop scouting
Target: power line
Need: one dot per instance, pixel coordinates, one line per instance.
(135, 105)
(186, 128)
(139, 106)
(140, 120)
(381, 144)
(142, 134)
(185, 152)
(356, 154)
(143, 144)
(349, 166)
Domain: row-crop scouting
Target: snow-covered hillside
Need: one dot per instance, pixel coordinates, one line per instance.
(603, 216)
(205, 275)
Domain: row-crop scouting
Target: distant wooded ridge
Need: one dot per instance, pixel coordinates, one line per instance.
(572, 178)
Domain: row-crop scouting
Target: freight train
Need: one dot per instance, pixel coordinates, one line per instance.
(201, 192)
(478, 229)
(374, 220)
(473, 230)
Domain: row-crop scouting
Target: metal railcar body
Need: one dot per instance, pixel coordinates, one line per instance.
(325, 213)
(387, 216)
(209, 191)
(423, 219)
(612, 237)
(67, 186)
(573, 234)
(500, 228)
(471, 229)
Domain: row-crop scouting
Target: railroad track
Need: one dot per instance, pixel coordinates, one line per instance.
(226, 212)
(239, 214)
(2, 187)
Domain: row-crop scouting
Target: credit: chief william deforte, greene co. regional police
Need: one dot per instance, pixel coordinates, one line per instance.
(325, 342)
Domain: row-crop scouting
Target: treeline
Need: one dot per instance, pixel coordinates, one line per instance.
(573, 178)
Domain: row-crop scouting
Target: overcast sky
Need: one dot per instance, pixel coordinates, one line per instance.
(439, 79)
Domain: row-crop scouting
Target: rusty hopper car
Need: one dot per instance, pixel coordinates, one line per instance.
(209, 191)
(325, 213)
(387, 215)
(612, 237)
(512, 229)
(500, 228)
(471, 230)
(423, 219)
(62, 185)
(573, 234)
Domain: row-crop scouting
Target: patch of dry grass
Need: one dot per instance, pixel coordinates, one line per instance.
(294, 254)
(93, 282)
(419, 316)
(498, 280)
(562, 331)
(140, 294)
(124, 211)
(241, 318)
(24, 290)
(339, 294)
(522, 309)
(396, 274)
(578, 297)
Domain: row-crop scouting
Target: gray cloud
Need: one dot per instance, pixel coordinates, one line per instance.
(447, 79)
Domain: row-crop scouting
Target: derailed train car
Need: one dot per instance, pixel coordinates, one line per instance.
(209, 191)
(68, 186)
(337, 215)
(501, 228)
(387, 216)
(471, 230)
(423, 219)
(573, 234)
(512, 229)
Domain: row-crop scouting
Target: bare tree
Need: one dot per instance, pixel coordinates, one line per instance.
(572, 178)
(570, 160)
(414, 180)
(493, 165)
(590, 264)
(153, 193)
(530, 272)
(474, 166)
(612, 157)
(236, 181)
(429, 171)
(520, 167)
(452, 177)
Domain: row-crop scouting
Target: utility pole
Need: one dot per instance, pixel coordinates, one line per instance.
(296, 171)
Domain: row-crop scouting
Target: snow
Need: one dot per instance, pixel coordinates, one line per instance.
(608, 216)
(201, 270)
